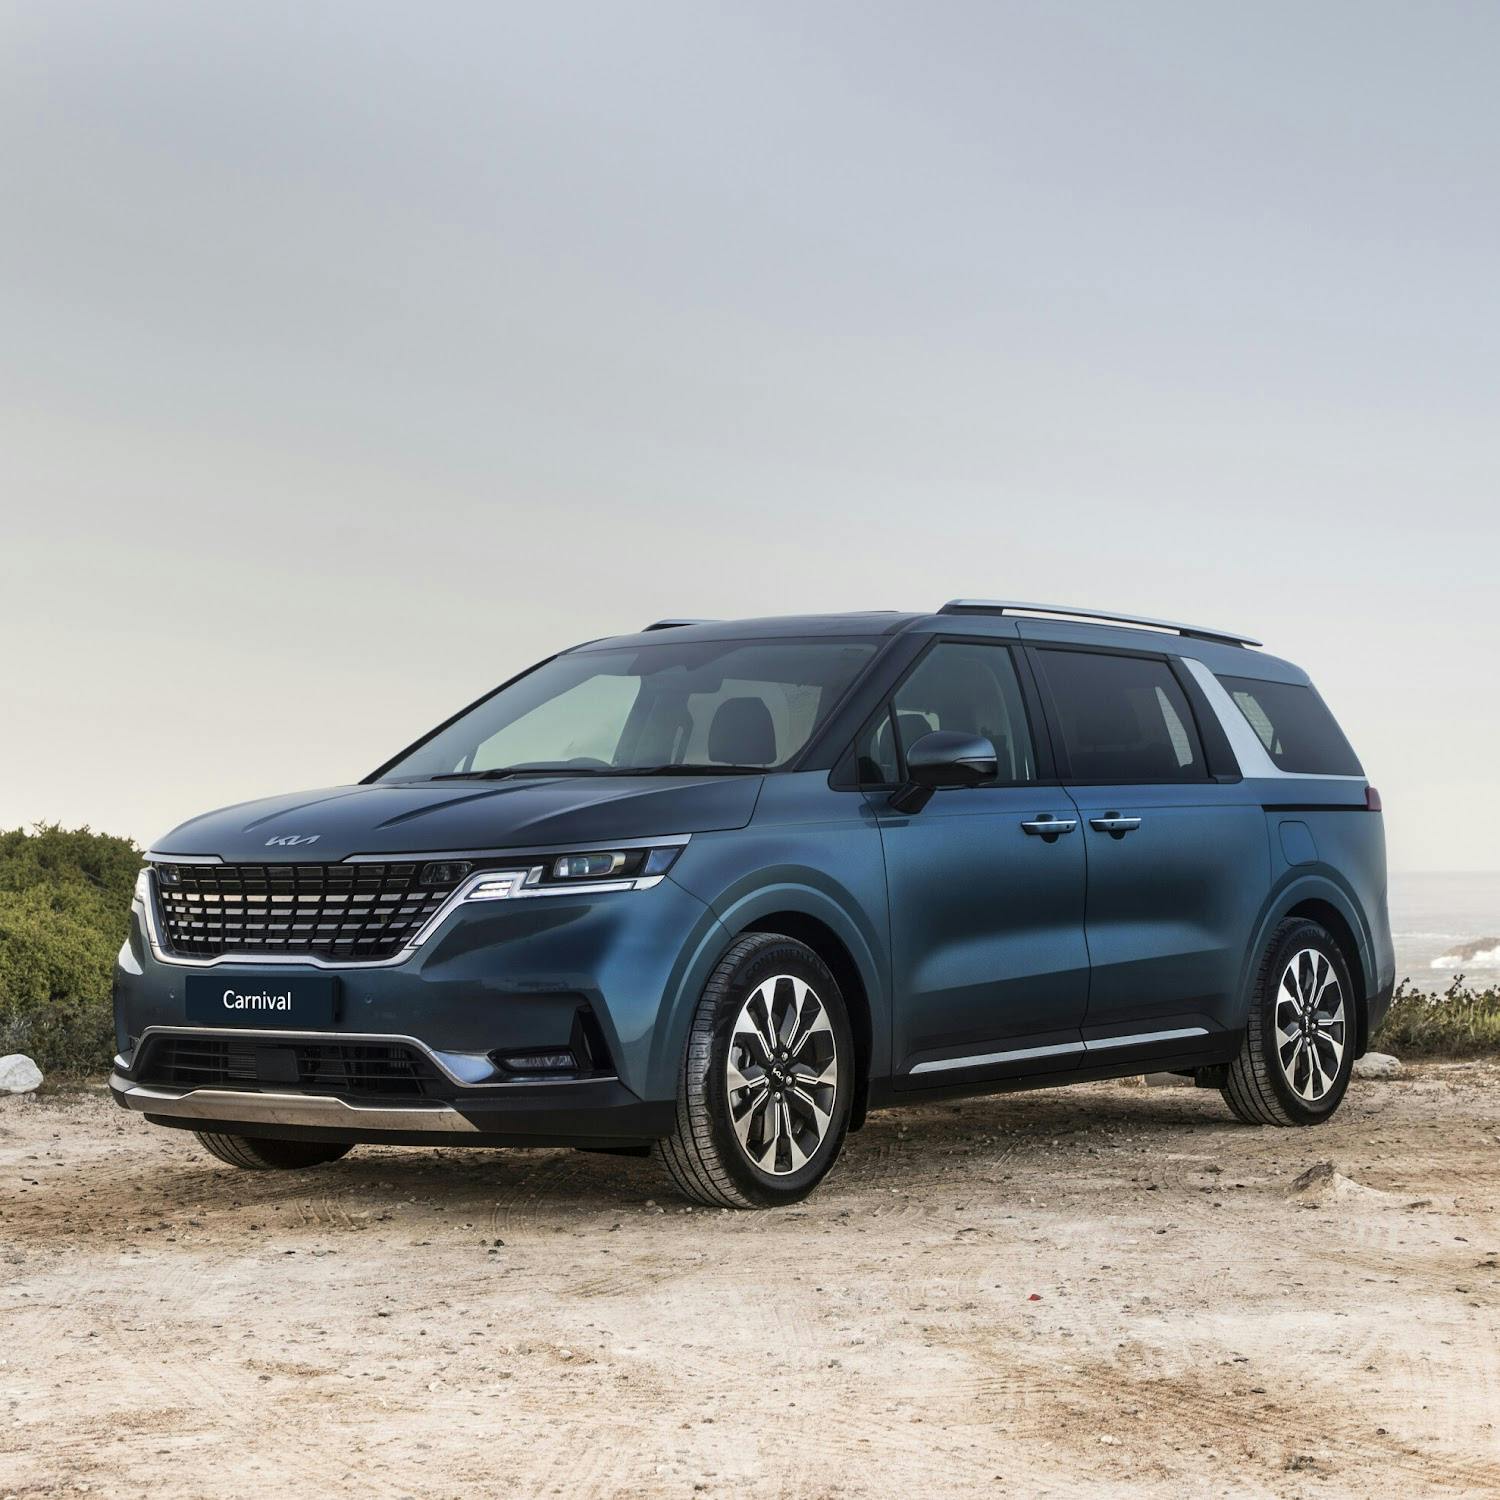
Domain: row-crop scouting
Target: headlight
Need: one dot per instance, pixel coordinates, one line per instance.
(600, 869)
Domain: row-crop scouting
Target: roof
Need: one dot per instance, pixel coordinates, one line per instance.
(1221, 651)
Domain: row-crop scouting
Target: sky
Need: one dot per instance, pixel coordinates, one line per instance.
(354, 356)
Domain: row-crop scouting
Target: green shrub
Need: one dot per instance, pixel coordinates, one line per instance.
(64, 911)
(1458, 1023)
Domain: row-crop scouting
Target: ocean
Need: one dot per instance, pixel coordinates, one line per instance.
(1445, 924)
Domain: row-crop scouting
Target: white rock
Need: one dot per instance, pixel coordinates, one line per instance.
(1377, 1065)
(18, 1074)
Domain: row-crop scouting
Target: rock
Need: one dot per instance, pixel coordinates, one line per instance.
(18, 1074)
(1377, 1065)
(1324, 1183)
(1323, 1186)
(1168, 1081)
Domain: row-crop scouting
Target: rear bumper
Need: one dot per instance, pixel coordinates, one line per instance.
(596, 1112)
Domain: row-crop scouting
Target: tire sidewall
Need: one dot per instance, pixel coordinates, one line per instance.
(1290, 941)
(786, 956)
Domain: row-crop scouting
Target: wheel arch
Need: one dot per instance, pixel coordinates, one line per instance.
(1317, 898)
(1327, 915)
(829, 947)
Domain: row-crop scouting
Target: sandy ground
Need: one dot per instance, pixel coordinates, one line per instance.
(1108, 1288)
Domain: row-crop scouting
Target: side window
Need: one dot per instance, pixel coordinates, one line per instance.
(1123, 718)
(958, 685)
(1295, 726)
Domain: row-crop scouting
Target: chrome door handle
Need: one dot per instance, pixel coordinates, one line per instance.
(1048, 827)
(1115, 824)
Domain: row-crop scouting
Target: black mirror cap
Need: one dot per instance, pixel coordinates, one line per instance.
(948, 758)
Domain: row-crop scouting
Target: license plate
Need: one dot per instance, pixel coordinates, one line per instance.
(271, 1002)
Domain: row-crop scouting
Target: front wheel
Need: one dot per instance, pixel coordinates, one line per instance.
(1298, 1052)
(258, 1155)
(766, 1085)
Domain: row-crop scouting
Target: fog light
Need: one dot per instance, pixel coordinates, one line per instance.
(539, 1062)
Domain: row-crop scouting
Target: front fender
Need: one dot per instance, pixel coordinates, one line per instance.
(748, 888)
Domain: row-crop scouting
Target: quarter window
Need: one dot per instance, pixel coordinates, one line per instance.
(1295, 726)
(1123, 718)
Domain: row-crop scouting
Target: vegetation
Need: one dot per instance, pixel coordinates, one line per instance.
(65, 909)
(1460, 1022)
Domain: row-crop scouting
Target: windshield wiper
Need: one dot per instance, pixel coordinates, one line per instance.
(501, 773)
(692, 770)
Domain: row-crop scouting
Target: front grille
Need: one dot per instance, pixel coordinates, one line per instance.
(350, 913)
(389, 1069)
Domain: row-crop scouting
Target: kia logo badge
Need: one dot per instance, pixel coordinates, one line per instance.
(290, 840)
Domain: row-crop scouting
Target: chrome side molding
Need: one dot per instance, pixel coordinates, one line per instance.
(1059, 1049)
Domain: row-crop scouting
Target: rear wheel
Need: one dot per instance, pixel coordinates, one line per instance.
(763, 1100)
(257, 1155)
(1294, 1063)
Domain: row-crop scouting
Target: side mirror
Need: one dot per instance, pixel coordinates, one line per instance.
(944, 758)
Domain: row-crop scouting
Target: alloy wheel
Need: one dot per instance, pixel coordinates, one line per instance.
(782, 1074)
(1310, 1024)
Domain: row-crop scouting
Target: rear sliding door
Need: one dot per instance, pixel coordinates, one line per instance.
(1177, 860)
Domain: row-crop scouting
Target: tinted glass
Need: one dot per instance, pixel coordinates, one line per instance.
(1123, 718)
(957, 685)
(708, 703)
(1295, 726)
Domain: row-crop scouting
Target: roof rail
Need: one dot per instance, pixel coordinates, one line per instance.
(674, 624)
(1015, 606)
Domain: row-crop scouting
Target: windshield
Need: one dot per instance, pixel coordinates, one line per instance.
(709, 706)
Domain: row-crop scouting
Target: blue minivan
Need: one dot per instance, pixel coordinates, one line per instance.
(715, 890)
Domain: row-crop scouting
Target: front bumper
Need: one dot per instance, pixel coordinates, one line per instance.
(597, 1112)
(497, 979)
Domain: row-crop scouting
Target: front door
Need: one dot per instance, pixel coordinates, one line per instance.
(989, 967)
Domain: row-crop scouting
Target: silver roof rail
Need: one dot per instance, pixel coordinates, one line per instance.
(1068, 611)
(675, 624)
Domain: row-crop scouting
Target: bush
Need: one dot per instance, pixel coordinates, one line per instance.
(1458, 1023)
(64, 911)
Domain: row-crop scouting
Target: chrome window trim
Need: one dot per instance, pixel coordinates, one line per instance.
(145, 901)
(266, 1034)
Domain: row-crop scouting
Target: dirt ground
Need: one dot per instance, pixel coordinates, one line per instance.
(1109, 1288)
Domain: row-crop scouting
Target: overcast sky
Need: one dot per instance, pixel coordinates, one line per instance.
(354, 356)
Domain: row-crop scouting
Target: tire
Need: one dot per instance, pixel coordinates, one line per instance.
(1294, 1063)
(771, 1140)
(257, 1155)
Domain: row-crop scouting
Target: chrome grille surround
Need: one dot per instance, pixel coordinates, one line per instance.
(340, 913)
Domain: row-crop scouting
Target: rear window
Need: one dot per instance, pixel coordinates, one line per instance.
(1123, 718)
(1295, 727)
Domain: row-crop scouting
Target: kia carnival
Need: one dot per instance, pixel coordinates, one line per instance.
(717, 889)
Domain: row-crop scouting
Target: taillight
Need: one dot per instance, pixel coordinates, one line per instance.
(1372, 799)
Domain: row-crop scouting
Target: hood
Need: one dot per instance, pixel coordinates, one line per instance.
(459, 816)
